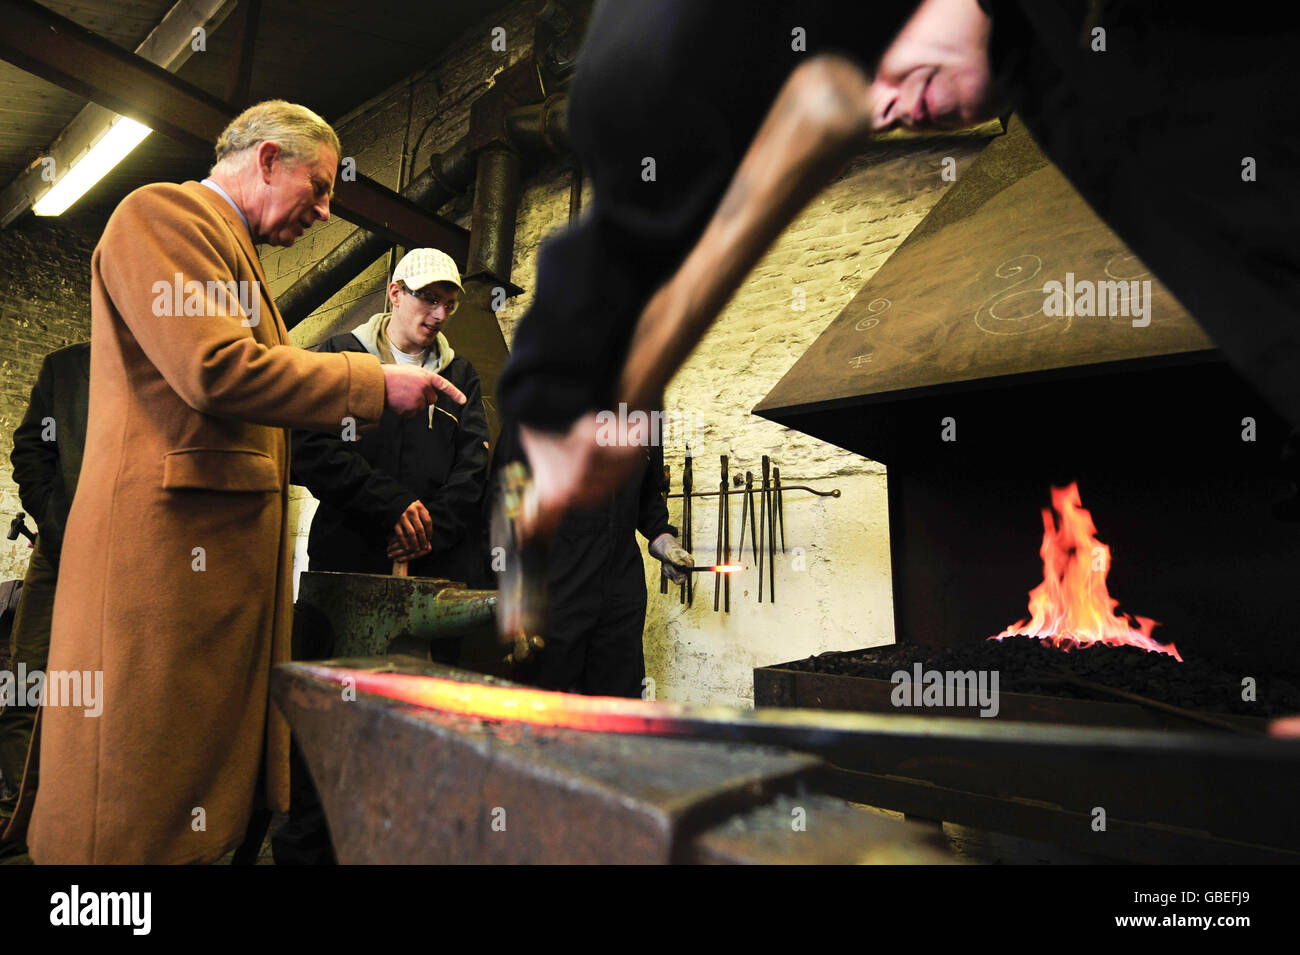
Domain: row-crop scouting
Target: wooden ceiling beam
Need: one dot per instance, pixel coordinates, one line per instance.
(58, 50)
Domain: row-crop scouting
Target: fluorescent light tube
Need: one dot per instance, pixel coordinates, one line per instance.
(109, 150)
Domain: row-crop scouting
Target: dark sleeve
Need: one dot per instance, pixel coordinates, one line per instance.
(36, 461)
(654, 83)
(458, 498)
(652, 511)
(337, 475)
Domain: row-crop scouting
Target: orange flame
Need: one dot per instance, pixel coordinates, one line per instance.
(1072, 607)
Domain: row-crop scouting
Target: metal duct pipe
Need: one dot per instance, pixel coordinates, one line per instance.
(541, 126)
(496, 205)
(448, 174)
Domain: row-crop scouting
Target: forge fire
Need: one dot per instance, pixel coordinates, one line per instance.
(1072, 607)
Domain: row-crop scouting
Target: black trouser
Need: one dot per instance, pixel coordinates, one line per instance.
(29, 645)
(596, 614)
(304, 839)
(684, 84)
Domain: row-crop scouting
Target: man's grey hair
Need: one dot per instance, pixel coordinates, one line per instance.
(295, 129)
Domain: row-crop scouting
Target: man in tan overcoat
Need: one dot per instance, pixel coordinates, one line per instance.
(175, 576)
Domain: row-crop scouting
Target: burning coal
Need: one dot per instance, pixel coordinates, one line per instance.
(1072, 608)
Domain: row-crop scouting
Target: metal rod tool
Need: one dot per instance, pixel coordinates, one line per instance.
(780, 504)
(771, 530)
(717, 551)
(762, 526)
(726, 535)
(668, 486)
(753, 529)
(688, 481)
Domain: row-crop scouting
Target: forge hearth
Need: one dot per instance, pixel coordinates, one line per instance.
(947, 369)
(1179, 812)
(1027, 666)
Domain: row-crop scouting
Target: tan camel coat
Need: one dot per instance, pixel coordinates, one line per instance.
(176, 571)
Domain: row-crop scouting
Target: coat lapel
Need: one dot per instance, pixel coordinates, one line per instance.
(240, 231)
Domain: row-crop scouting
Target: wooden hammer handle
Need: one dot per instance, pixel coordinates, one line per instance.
(819, 119)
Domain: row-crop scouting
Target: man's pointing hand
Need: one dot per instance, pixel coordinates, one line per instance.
(408, 390)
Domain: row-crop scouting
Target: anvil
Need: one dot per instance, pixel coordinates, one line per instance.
(403, 783)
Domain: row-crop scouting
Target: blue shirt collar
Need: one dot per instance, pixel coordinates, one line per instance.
(225, 195)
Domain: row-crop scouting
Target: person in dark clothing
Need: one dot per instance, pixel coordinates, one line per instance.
(46, 459)
(595, 580)
(1170, 128)
(656, 81)
(411, 490)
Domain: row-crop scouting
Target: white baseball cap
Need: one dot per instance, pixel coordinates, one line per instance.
(421, 267)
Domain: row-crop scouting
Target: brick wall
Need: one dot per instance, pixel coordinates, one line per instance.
(44, 305)
(838, 596)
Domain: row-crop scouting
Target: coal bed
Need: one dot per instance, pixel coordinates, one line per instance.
(1032, 666)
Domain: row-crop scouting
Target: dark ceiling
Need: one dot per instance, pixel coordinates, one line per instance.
(330, 55)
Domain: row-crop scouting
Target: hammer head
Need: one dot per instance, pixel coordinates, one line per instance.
(521, 566)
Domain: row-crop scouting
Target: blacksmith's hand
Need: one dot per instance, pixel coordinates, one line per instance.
(578, 468)
(670, 552)
(408, 390)
(396, 550)
(412, 534)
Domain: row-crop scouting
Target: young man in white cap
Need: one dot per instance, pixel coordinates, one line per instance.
(411, 490)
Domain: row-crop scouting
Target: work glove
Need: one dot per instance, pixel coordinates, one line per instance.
(670, 552)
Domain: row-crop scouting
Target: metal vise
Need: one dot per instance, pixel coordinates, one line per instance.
(373, 614)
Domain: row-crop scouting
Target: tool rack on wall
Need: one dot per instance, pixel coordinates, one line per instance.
(762, 509)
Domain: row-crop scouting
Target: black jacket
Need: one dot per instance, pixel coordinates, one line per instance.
(46, 471)
(438, 457)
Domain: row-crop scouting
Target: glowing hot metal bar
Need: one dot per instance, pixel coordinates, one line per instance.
(829, 732)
